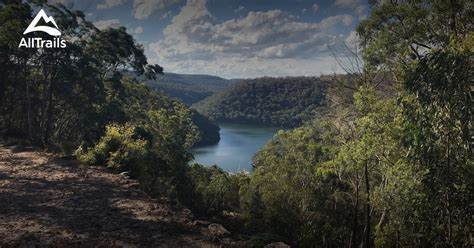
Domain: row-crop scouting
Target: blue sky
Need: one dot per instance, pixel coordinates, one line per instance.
(233, 38)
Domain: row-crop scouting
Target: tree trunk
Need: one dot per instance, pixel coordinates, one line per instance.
(367, 207)
(28, 102)
(355, 219)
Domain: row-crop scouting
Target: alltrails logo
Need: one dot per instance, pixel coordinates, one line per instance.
(56, 42)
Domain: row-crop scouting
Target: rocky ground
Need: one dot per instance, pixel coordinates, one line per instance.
(48, 201)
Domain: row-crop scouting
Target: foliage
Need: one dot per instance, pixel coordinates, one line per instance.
(269, 101)
(287, 197)
(208, 130)
(375, 164)
(187, 87)
(400, 162)
(62, 99)
(213, 190)
(119, 148)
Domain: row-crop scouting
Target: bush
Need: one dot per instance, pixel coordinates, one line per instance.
(214, 190)
(120, 148)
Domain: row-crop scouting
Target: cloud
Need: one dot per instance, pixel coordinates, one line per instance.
(315, 7)
(239, 9)
(352, 40)
(144, 8)
(137, 30)
(107, 4)
(271, 34)
(360, 9)
(332, 21)
(270, 42)
(104, 24)
(347, 3)
(67, 3)
(230, 67)
(166, 15)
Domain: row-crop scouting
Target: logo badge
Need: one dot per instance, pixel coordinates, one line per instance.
(47, 19)
(56, 42)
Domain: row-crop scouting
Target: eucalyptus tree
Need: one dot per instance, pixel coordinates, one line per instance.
(428, 45)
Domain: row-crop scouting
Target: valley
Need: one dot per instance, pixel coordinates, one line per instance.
(350, 125)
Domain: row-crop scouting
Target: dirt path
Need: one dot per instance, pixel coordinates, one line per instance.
(47, 201)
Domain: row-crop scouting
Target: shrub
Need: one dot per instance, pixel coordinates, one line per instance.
(120, 148)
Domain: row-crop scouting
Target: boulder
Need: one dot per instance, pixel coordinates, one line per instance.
(216, 232)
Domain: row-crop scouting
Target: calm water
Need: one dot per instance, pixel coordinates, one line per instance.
(238, 144)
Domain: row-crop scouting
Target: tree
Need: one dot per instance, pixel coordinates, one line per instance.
(428, 59)
(285, 195)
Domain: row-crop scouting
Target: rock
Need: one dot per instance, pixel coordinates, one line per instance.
(201, 223)
(277, 245)
(216, 232)
(68, 157)
(125, 174)
(186, 213)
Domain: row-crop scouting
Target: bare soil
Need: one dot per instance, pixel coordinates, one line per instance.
(47, 201)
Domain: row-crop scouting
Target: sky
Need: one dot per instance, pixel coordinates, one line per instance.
(234, 38)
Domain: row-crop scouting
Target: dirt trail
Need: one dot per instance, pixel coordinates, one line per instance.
(48, 201)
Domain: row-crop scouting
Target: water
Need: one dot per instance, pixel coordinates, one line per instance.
(238, 144)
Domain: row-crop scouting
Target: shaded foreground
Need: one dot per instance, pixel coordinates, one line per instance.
(50, 201)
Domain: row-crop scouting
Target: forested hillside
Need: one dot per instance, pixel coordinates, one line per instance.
(284, 102)
(208, 130)
(188, 88)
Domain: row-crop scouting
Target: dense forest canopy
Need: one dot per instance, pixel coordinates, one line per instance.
(188, 88)
(286, 102)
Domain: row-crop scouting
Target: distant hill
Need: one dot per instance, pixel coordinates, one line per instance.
(284, 102)
(189, 88)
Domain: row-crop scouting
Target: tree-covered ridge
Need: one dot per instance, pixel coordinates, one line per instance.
(188, 88)
(284, 102)
(208, 130)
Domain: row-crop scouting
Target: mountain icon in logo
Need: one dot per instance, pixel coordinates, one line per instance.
(49, 30)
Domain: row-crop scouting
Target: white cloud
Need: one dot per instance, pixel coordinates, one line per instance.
(67, 3)
(166, 15)
(191, 33)
(137, 30)
(110, 3)
(104, 24)
(239, 9)
(348, 3)
(144, 8)
(233, 67)
(352, 40)
(315, 7)
(360, 9)
(332, 21)
(260, 43)
(358, 6)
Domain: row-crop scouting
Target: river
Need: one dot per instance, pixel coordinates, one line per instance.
(238, 144)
